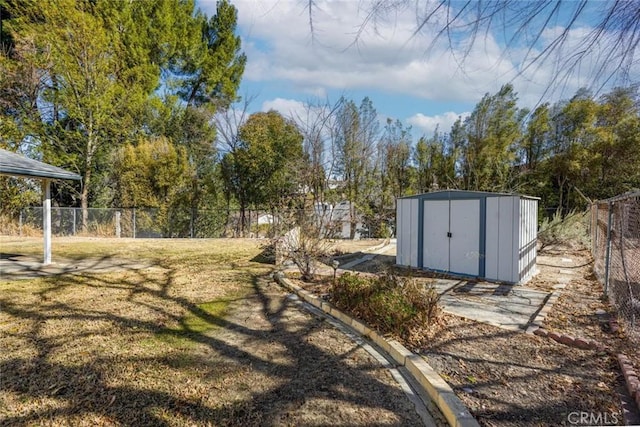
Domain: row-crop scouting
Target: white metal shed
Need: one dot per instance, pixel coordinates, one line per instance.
(471, 233)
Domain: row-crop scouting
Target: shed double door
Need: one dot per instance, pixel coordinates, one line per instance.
(452, 236)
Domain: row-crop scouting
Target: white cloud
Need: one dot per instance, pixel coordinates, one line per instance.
(386, 55)
(428, 124)
(289, 108)
(316, 92)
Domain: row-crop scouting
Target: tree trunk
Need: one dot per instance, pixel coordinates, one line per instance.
(195, 200)
(353, 221)
(86, 178)
(84, 198)
(561, 183)
(243, 219)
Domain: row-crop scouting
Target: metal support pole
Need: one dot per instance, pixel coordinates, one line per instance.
(20, 222)
(608, 254)
(46, 220)
(134, 223)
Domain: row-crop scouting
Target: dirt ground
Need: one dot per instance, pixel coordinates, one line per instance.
(509, 378)
(517, 379)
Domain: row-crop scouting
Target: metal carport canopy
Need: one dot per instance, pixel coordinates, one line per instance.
(13, 164)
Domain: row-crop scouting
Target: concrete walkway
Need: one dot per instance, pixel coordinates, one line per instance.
(505, 306)
(15, 266)
(371, 253)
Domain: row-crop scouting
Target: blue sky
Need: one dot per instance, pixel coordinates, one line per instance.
(288, 65)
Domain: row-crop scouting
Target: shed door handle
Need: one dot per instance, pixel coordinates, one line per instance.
(449, 234)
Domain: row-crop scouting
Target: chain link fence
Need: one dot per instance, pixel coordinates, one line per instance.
(159, 223)
(615, 239)
(142, 222)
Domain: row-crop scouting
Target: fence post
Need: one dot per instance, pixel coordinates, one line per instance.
(118, 229)
(608, 253)
(191, 224)
(73, 231)
(20, 223)
(134, 223)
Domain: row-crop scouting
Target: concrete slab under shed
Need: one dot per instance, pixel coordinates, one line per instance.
(505, 306)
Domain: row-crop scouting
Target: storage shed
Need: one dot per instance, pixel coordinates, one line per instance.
(471, 233)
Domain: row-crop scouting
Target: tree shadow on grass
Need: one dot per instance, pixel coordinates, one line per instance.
(82, 386)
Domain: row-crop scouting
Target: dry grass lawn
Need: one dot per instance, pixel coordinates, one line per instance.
(78, 349)
(197, 337)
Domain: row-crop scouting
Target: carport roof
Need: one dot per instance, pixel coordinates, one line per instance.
(17, 165)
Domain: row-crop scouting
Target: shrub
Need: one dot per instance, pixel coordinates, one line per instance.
(392, 304)
(305, 245)
(568, 230)
(11, 227)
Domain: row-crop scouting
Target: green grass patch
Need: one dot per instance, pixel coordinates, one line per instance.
(205, 317)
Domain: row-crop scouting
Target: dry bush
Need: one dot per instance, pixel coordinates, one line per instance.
(569, 230)
(99, 229)
(305, 244)
(11, 227)
(392, 304)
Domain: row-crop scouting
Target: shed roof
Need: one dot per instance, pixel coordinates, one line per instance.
(18, 165)
(463, 194)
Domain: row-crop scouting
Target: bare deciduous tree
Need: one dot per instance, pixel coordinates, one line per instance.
(317, 125)
(307, 243)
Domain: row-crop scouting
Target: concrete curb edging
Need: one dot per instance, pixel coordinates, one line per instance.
(630, 377)
(454, 411)
(577, 342)
(614, 326)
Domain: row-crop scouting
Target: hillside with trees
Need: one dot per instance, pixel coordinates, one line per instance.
(140, 99)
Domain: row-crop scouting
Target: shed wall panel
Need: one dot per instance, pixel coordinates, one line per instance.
(465, 236)
(436, 243)
(402, 226)
(522, 255)
(492, 245)
(514, 273)
(502, 239)
(407, 233)
(527, 251)
(413, 234)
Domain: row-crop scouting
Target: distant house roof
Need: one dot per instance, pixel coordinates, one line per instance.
(341, 211)
(18, 165)
(265, 219)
